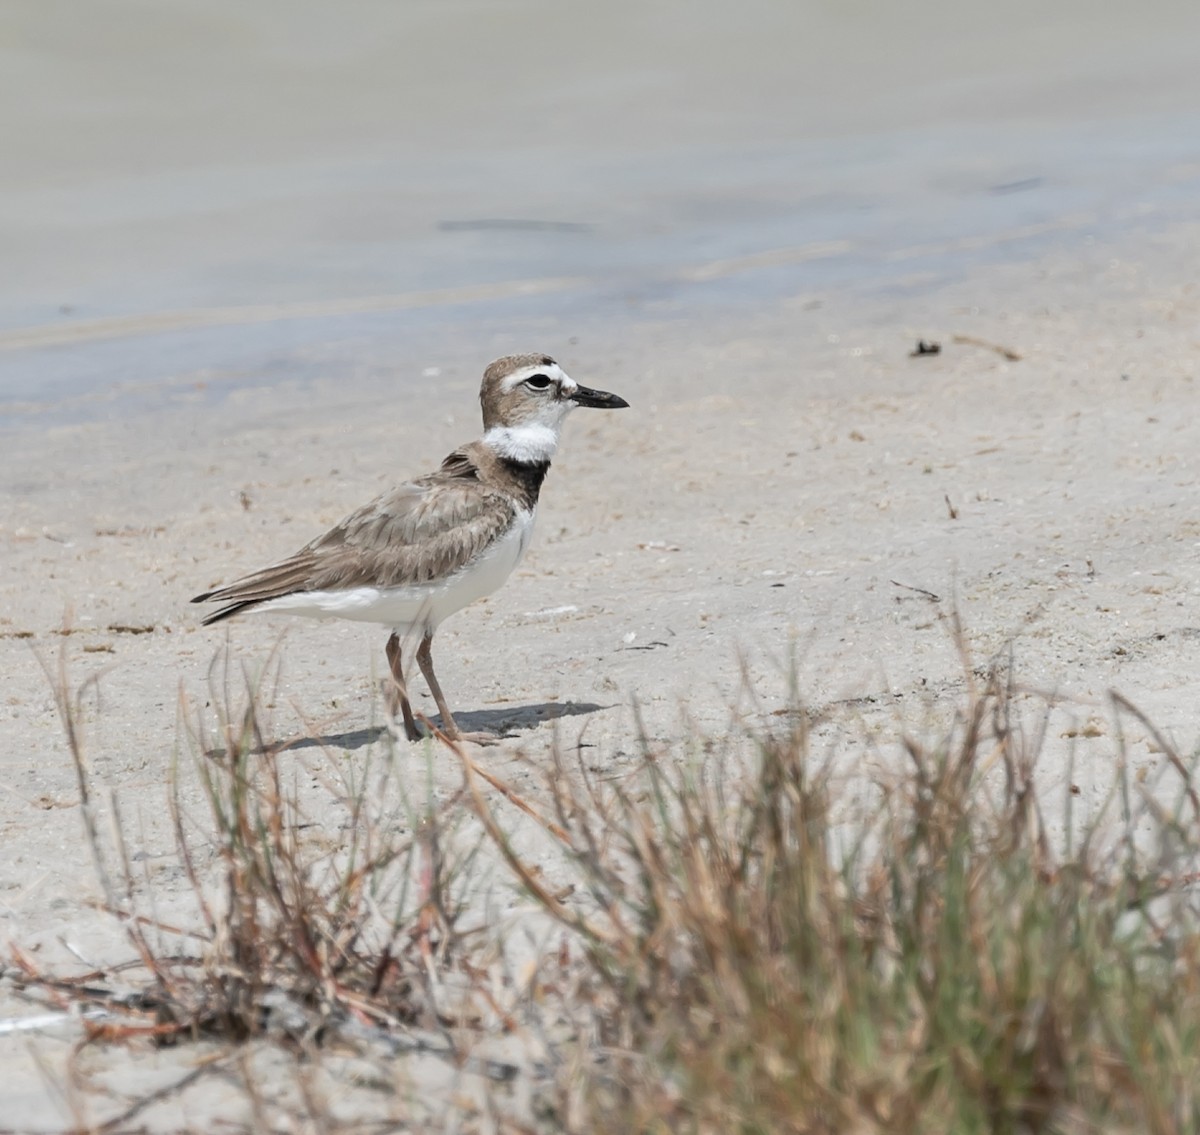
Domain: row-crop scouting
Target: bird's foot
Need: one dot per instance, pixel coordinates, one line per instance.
(399, 730)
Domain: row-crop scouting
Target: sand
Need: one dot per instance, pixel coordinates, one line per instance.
(791, 489)
(790, 485)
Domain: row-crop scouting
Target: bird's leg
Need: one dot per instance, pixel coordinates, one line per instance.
(449, 727)
(397, 691)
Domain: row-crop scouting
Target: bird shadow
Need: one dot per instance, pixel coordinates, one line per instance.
(503, 722)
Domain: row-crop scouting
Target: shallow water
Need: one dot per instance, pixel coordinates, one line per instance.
(197, 193)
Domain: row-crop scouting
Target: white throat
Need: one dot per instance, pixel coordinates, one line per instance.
(529, 444)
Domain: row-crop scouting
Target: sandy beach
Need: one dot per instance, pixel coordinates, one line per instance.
(791, 486)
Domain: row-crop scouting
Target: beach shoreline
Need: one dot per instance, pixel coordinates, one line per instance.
(210, 355)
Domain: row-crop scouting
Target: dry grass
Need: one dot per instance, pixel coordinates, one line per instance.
(327, 906)
(737, 953)
(756, 964)
(299, 930)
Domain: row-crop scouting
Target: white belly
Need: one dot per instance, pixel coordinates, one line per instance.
(421, 607)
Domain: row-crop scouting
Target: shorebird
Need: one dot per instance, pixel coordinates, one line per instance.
(427, 548)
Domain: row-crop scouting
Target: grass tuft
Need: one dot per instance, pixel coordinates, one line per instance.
(762, 962)
(324, 898)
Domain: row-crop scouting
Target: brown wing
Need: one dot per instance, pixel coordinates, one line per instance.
(417, 532)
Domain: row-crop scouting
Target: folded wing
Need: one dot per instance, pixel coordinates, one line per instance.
(409, 536)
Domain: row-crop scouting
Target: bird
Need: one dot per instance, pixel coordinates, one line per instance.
(425, 549)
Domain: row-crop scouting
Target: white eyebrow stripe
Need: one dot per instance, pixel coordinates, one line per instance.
(553, 371)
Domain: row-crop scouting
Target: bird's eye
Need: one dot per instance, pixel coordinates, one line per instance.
(538, 381)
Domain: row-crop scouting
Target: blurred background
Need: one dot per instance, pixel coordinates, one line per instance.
(203, 190)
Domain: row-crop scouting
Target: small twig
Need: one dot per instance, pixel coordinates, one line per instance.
(931, 596)
(950, 507)
(1000, 349)
(103, 1030)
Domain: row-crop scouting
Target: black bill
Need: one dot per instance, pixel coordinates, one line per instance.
(600, 399)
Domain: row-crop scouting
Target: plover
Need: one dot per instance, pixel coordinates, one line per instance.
(427, 548)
